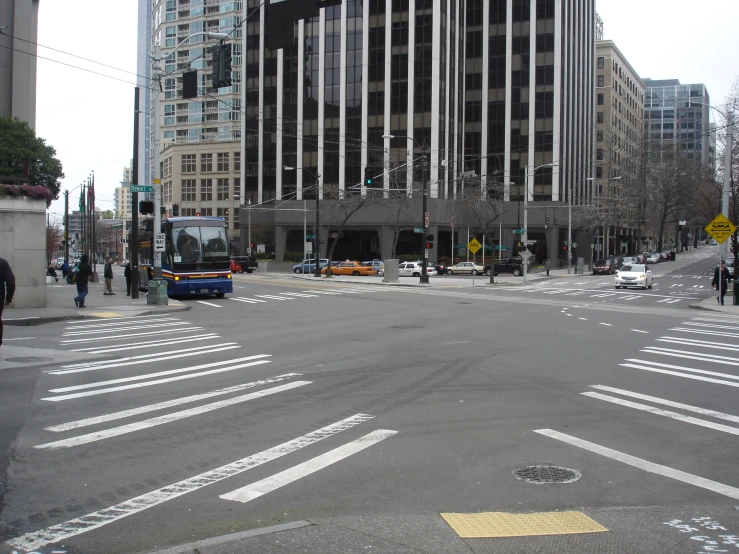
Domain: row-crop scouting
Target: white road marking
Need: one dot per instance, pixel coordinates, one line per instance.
(144, 358)
(713, 358)
(699, 332)
(95, 520)
(687, 375)
(457, 342)
(710, 326)
(19, 338)
(209, 304)
(168, 418)
(300, 294)
(700, 343)
(570, 315)
(582, 318)
(247, 300)
(274, 482)
(116, 323)
(273, 297)
(718, 318)
(145, 344)
(645, 465)
(665, 413)
(322, 292)
(118, 329)
(640, 331)
(99, 321)
(164, 405)
(606, 324)
(686, 407)
(146, 334)
(668, 301)
(157, 382)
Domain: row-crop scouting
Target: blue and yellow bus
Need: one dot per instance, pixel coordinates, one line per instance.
(196, 260)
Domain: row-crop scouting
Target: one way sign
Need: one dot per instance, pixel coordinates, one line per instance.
(159, 242)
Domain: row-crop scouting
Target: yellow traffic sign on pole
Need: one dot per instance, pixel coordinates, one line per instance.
(720, 228)
(473, 246)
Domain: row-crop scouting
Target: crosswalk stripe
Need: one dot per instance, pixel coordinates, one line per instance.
(687, 375)
(665, 413)
(710, 326)
(103, 320)
(322, 292)
(168, 418)
(144, 358)
(209, 304)
(274, 482)
(651, 467)
(116, 323)
(146, 334)
(719, 318)
(700, 343)
(686, 407)
(151, 383)
(95, 520)
(273, 297)
(632, 297)
(118, 329)
(692, 355)
(248, 300)
(300, 295)
(164, 405)
(145, 344)
(699, 332)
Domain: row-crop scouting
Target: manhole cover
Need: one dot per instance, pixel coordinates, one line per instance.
(546, 474)
(406, 327)
(28, 360)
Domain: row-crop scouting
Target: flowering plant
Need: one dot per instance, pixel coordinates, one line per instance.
(29, 191)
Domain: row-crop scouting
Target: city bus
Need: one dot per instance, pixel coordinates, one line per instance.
(196, 260)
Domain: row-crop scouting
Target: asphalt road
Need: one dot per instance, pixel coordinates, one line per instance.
(293, 400)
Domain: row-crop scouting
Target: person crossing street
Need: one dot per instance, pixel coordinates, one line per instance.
(721, 282)
(108, 274)
(7, 289)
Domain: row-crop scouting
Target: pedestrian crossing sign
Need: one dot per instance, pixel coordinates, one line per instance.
(473, 246)
(720, 228)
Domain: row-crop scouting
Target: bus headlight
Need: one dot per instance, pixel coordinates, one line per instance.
(176, 278)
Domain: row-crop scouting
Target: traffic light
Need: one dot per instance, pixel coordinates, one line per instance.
(198, 214)
(555, 219)
(546, 220)
(190, 84)
(222, 67)
(429, 241)
(367, 177)
(146, 207)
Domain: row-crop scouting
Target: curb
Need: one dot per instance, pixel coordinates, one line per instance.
(35, 321)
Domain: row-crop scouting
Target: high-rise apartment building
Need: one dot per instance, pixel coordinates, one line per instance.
(676, 120)
(619, 146)
(122, 198)
(18, 59)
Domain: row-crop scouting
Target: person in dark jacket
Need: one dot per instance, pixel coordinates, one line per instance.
(83, 276)
(65, 268)
(127, 275)
(7, 290)
(724, 284)
(108, 274)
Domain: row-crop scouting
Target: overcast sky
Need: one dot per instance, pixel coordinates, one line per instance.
(88, 118)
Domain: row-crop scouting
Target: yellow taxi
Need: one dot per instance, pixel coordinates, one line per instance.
(350, 268)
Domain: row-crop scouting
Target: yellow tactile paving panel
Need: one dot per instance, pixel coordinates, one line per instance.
(504, 524)
(106, 314)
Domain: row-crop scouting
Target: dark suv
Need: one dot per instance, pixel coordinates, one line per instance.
(247, 263)
(605, 266)
(508, 265)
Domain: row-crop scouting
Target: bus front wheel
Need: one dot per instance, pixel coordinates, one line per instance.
(220, 294)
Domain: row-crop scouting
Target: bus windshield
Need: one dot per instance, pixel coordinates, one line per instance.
(199, 244)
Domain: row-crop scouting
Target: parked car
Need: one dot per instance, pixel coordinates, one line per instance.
(508, 265)
(730, 267)
(466, 268)
(634, 275)
(629, 260)
(350, 268)
(653, 258)
(247, 263)
(414, 269)
(309, 266)
(605, 266)
(377, 264)
(441, 269)
(236, 267)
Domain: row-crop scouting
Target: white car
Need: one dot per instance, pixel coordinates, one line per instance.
(466, 268)
(414, 269)
(653, 258)
(634, 275)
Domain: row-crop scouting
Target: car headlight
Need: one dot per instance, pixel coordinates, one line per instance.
(641, 276)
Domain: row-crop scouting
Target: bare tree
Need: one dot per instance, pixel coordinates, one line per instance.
(54, 236)
(337, 214)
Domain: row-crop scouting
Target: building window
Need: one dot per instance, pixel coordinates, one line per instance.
(237, 188)
(601, 81)
(167, 191)
(599, 136)
(237, 161)
(187, 212)
(167, 167)
(601, 62)
(189, 163)
(189, 190)
(599, 117)
(206, 211)
(206, 163)
(206, 189)
(599, 172)
(599, 154)
(222, 161)
(223, 212)
(601, 99)
(236, 220)
(222, 189)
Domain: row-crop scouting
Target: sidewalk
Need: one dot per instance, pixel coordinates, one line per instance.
(711, 305)
(60, 305)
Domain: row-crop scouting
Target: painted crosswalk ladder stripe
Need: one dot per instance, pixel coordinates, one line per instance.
(273, 297)
(119, 329)
(130, 335)
(713, 358)
(209, 304)
(97, 519)
(117, 323)
(699, 343)
(662, 368)
(260, 488)
(145, 344)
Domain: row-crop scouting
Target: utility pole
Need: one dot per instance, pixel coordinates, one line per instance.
(66, 226)
(133, 247)
(317, 239)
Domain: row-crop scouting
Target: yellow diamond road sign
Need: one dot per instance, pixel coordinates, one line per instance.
(720, 228)
(473, 246)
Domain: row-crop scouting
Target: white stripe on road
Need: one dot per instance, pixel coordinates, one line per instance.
(157, 374)
(665, 413)
(146, 334)
(144, 358)
(640, 331)
(686, 407)
(696, 331)
(101, 320)
(722, 317)
(645, 465)
(273, 297)
(710, 326)
(208, 303)
(95, 520)
(700, 343)
(606, 324)
(681, 368)
(299, 294)
(668, 301)
(168, 418)
(118, 329)
(163, 405)
(145, 344)
(322, 292)
(692, 356)
(251, 300)
(116, 323)
(260, 488)
(687, 375)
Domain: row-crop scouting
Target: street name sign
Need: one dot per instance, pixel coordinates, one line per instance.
(518, 231)
(159, 242)
(473, 246)
(720, 228)
(418, 229)
(140, 188)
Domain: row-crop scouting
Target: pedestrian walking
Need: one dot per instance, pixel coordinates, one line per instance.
(7, 289)
(84, 270)
(723, 284)
(65, 268)
(547, 266)
(108, 275)
(127, 275)
(51, 272)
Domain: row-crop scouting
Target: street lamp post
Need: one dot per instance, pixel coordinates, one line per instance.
(424, 210)
(526, 218)
(317, 227)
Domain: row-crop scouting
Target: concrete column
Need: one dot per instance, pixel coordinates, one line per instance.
(386, 236)
(280, 243)
(554, 249)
